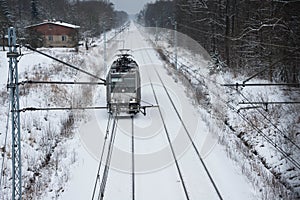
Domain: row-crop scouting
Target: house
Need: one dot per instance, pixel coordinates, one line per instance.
(53, 34)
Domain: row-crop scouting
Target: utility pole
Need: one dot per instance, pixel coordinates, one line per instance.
(174, 23)
(156, 32)
(175, 42)
(15, 117)
(104, 40)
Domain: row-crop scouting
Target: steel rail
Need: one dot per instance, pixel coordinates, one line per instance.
(169, 141)
(171, 146)
(108, 158)
(189, 136)
(132, 159)
(296, 164)
(191, 139)
(268, 139)
(102, 154)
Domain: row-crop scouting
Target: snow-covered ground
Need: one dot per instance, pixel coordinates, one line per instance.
(61, 149)
(156, 176)
(266, 139)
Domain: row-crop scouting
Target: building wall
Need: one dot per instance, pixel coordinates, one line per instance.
(58, 41)
(56, 35)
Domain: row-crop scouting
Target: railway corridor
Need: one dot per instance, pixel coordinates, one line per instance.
(175, 157)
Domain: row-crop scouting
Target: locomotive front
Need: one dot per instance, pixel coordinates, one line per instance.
(123, 86)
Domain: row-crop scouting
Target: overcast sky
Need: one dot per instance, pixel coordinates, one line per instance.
(130, 6)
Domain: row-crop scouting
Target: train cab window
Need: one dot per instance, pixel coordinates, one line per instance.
(123, 84)
(115, 82)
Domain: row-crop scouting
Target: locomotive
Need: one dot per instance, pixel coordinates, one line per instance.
(123, 85)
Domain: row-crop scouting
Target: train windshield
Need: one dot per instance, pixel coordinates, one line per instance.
(124, 84)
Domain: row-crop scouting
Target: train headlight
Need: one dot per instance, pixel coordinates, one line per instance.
(133, 100)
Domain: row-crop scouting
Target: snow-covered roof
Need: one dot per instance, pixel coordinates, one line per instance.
(60, 23)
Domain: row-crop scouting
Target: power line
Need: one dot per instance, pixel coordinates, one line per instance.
(268, 139)
(280, 131)
(67, 64)
(60, 82)
(235, 39)
(273, 64)
(260, 84)
(270, 102)
(61, 108)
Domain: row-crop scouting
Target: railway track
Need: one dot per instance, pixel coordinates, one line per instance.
(179, 164)
(194, 147)
(100, 183)
(107, 153)
(132, 159)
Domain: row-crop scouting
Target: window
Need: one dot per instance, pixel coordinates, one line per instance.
(63, 38)
(50, 37)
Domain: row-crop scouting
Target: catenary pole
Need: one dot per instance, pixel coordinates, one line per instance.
(15, 117)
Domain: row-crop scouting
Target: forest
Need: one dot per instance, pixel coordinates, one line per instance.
(92, 16)
(247, 36)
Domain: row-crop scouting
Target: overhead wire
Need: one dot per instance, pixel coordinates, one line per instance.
(185, 68)
(268, 139)
(236, 39)
(285, 136)
(276, 127)
(65, 63)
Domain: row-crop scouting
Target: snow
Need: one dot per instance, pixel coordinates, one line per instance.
(60, 23)
(156, 175)
(72, 168)
(265, 167)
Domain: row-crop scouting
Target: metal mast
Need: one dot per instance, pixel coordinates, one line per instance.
(15, 117)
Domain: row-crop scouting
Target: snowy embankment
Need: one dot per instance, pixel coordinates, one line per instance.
(44, 134)
(263, 140)
(49, 145)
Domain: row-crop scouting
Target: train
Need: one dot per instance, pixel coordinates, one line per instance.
(123, 85)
